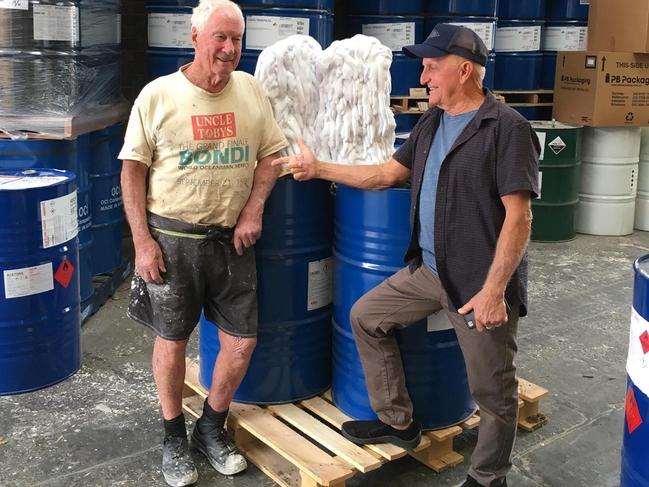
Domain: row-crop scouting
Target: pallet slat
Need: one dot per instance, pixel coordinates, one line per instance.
(327, 437)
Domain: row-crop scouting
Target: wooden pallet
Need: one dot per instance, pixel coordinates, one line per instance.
(64, 127)
(300, 445)
(537, 98)
(409, 104)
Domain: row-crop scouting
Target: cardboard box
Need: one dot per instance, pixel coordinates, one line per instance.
(605, 89)
(618, 25)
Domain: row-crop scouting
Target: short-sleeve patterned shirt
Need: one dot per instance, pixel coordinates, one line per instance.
(496, 154)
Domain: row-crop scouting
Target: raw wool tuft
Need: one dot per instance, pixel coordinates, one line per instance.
(287, 72)
(337, 100)
(355, 123)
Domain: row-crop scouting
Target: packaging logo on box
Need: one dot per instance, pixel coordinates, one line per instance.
(602, 88)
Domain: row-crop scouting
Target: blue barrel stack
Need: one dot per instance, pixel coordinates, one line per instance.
(39, 292)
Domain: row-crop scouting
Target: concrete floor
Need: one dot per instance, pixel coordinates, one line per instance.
(102, 426)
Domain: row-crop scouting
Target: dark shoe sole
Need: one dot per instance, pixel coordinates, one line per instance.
(395, 440)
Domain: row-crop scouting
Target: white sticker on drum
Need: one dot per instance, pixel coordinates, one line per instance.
(393, 35)
(320, 287)
(59, 220)
(438, 322)
(28, 281)
(518, 39)
(263, 31)
(637, 363)
(584, 2)
(56, 23)
(564, 38)
(557, 145)
(541, 136)
(15, 4)
(170, 30)
(540, 185)
(20, 182)
(485, 31)
(100, 28)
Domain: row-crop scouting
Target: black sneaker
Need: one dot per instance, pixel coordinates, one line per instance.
(220, 452)
(375, 431)
(177, 464)
(471, 482)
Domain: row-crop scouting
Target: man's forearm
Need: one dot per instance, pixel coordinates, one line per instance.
(263, 183)
(510, 248)
(361, 176)
(133, 179)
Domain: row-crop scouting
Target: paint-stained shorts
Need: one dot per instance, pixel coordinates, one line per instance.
(202, 274)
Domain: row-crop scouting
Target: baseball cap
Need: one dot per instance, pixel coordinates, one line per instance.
(450, 39)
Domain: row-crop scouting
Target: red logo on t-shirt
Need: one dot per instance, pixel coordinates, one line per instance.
(214, 127)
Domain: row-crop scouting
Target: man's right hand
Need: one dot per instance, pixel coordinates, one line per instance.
(303, 166)
(149, 261)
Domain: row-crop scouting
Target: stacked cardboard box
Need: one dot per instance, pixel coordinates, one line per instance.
(607, 85)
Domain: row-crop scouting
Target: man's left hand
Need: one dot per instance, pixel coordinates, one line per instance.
(489, 308)
(248, 230)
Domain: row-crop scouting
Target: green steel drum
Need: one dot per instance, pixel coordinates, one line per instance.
(555, 209)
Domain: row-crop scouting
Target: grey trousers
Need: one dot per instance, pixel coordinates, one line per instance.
(406, 298)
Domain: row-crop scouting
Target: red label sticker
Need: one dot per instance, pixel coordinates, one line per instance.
(64, 272)
(214, 127)
(633, 418)
(644, 340)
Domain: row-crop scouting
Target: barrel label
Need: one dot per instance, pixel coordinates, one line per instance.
(393, 35)
(15, 4)
(541, 137)
(28, 281)
(56, 23)
(637, 364)
(64, 273)
(320, 286)
(517, 39)
(557, 145)
(102, 27)
(59, 220)
(564, 38)
(584, 2)
(170, 30)
(540, 185)
(263, 31)
(633, 418)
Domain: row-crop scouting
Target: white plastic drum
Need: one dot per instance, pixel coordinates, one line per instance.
(642, 198)
(609, 181)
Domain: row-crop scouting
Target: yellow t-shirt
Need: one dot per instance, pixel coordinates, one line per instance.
(201, 147)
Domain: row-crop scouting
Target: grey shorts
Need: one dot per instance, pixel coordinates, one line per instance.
(203, 274)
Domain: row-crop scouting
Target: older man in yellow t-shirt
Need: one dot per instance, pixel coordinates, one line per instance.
(197, 172)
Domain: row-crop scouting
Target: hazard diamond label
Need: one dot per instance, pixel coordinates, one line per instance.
(633, 418)
(557, 145)
(644, 341)
(64, 273)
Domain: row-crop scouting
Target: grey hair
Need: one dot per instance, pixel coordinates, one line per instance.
(480, 71)
(206, 8)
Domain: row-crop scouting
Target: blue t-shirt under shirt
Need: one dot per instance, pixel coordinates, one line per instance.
(450, 127)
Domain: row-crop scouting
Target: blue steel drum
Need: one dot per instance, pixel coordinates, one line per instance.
(521, 9)
(372, 232)
(462, 7)
(265, 26)
(635, 443)
(520, 60)
(534, 112)
(548, 70)
(70, 155)
(39, 292)
(566, 9)
(387, 7)
(169, 38)
(107, 213)
(292, 360)
(560, 35)
(404, 71)
(405, 121)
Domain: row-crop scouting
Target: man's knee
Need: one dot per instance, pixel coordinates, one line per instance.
(358, 313)
(238, 348)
